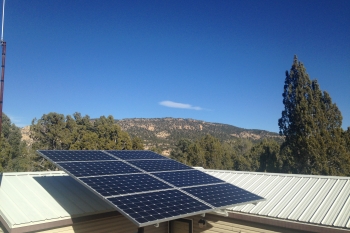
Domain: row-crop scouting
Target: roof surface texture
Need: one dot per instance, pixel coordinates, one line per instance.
(41, 197)
(321, 200)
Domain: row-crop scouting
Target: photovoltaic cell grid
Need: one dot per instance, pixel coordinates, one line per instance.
(91, 168)
(229, 195)
(126, 184)
(132, 154)
(57, 156)
(159, 165)
(187, 178)
(146, 187)
(149, 207)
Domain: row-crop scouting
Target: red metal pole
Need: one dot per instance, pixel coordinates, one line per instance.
(3, 44)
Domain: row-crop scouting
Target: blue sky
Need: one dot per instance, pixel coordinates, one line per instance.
(217, 61)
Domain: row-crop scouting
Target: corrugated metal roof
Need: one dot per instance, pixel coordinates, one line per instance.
(321, 200)
(40, 197)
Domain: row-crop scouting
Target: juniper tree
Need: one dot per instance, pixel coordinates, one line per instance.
(311, 124)
(137, 143)
(13, 154)
(54, 131)
(180, 152)
(346, 136)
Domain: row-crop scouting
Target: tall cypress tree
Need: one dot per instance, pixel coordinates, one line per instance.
(311, 124)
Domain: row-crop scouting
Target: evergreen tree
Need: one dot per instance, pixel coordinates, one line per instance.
(156, 149)
(196, 155)
(265, 157)
(207, 152)
(13, 156)
(137, 143)
(346, 137)
(228, 156)
(48, 132)
(213, 151)
(242, 161)
(311, 124)
(54, 131)
(180, 153)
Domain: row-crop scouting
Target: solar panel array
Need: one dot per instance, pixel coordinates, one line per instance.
(146, 187)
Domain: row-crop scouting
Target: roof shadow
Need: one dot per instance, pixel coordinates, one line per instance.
(72, 196)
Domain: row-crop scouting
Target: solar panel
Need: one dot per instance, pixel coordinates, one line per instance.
(135, 154)
(150, 207)
(124, 184)
(93, 168)
(222, 195)
(146, 187)
(71, 155)
(187, 178)
(159, 165)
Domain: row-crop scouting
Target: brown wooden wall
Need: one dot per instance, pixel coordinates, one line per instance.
(120, 224)
(117, 224)
(221, 224)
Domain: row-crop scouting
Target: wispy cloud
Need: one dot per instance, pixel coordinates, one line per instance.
(172, 104)
(14, 119)
(17, 121)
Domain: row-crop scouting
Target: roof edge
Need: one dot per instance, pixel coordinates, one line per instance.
(37, 173)
(300, 226)
(4, 223)
(274, 174)
(60, 223)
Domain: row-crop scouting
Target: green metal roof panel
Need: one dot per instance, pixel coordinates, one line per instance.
(39, 197)
(321, 200)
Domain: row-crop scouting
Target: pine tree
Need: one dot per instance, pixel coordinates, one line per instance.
(311, 124)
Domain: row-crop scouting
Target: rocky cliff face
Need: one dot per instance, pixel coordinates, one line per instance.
(165, 132)
(25, 135)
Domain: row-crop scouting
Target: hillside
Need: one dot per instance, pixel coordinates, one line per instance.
(166, 132)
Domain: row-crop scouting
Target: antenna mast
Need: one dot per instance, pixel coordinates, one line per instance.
(3, 45)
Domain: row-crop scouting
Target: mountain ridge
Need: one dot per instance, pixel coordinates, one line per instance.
(165, 132)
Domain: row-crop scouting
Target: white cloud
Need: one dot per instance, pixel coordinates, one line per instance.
(172, 104)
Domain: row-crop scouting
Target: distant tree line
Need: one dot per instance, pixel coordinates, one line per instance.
(54, 131)
(239, 154)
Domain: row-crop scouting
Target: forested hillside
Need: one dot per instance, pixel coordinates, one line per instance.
(164, 133)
